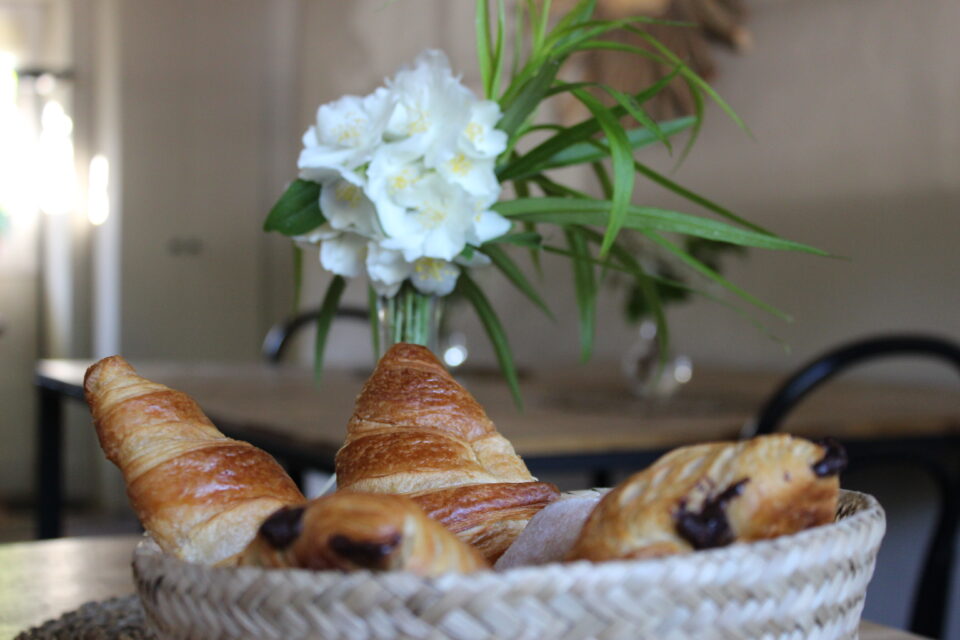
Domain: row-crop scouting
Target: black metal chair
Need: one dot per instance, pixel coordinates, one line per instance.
(929, 609)
(280, 334)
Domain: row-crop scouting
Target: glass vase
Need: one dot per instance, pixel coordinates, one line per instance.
(651, 373)
(409, 316)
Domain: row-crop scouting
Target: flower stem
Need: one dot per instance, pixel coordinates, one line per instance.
(409, 316)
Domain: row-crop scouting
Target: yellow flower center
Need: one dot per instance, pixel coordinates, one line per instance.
(420, 123)
(429, 268)
(431, 217)
(348, 193)
(402, 180)
(460, 164)
(474, 132)
(349, 133)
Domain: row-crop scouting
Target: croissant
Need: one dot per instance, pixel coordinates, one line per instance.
(416, 431)
(713, 494)
(201, 495)
(347, 531)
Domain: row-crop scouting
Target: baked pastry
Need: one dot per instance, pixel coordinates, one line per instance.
(347, 531)
(713, 494)
(201, 495)
(416, 431)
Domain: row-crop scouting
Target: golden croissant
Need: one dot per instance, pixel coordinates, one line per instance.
(416, 431)
(201, 495)
(347, 531)
(713, 494)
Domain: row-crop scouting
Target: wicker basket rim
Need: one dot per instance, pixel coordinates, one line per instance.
(864, 509)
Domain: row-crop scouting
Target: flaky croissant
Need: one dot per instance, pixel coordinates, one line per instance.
(201, 495)
(416, 431)
(713, 494)
(347, 530)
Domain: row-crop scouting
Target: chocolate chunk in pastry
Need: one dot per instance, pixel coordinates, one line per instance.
(834, 459)
(713, 494)
(347, 531)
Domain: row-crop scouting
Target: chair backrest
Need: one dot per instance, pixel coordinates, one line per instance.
(280, 334)
(928, 617)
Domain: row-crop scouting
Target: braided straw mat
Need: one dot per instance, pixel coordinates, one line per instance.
(807, 586)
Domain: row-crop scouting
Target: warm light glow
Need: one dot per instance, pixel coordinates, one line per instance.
(98, 198)
(56, 178)
(16, 196)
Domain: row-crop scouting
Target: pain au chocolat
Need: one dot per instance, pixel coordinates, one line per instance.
(713, 494)
(416, 431)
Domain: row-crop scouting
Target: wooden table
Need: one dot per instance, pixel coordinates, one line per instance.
(42, 580)
(575, 419)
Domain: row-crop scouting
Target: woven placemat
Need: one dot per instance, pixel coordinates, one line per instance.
(113, 619)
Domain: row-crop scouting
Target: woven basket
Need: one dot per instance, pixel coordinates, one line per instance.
(808, 586)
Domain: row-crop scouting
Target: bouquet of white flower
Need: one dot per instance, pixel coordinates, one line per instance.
(403, 185)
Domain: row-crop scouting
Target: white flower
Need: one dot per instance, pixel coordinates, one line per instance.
(436, 226)
(347, 208)
(344, 254)
(345, 135)
(407, 179)
(436, 277)
(432, 106)
(386, 269)
(479, 139)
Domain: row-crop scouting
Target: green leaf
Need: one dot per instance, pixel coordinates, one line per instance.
(297, 211)
(373, 314)
(494, 328)
(585, 288)
(528, 239)
(594, 150)
(513, 273)
(498, 54)
(517, 110)
(484, 58)
(328, 311)
(572, 211)
(297, 275)
(622, 158)
(646, 285)
(666, 183)
(633, 108)
(692, 76)
(706, 271)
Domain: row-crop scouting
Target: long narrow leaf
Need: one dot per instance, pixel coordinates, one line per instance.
(585, 289)
(528, 239)
(594, 150)
(373, 315)
(706, 271)
(646, 284)
(570, 211)
(666, 183)
(297, 276)
(328, 310)
(498, 51)
(482, 26)
(529, 163)
(516, 112)
(494, 328)
(621, 157)
(512, 272)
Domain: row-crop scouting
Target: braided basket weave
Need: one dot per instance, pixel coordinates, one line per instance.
(807, 586)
